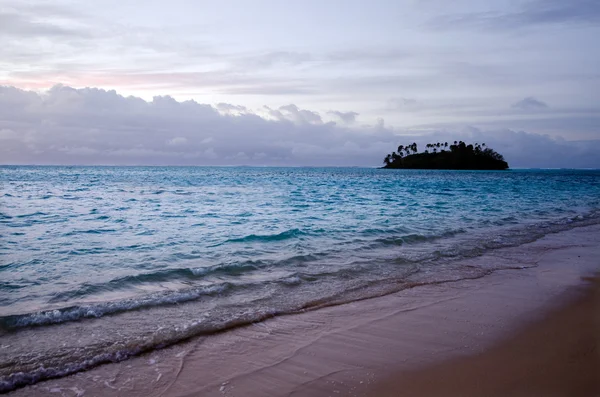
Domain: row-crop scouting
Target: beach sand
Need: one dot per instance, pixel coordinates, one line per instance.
(532, 330)
(556, 356)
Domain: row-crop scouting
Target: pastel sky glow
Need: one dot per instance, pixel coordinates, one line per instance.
(296, 83)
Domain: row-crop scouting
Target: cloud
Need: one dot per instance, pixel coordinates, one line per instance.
(8, 134)
(228, 108)
(346, 117)
(294, 114)
(19, 25)
(527, 150)
(401, 103)
(272, 59)
(222, 81)
(94, 126)
(529, 14)
(268, 87)
(387, 56)
(529, 103)
(177, 141)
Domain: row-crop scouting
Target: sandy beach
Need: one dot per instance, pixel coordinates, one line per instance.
(530, 330)
(299, 199)
(556, 356)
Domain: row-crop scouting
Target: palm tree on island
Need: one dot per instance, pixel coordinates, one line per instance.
(462, 156)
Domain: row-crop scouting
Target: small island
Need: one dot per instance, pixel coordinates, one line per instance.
(440, 156)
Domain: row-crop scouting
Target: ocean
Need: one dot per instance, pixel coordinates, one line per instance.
(98, 264)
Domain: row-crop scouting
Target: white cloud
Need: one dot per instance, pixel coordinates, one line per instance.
(8, 134)
(346, 117)
(177, 141)
(227, 108)
(295, 114)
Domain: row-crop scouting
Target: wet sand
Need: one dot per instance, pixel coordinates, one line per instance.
(528, 331)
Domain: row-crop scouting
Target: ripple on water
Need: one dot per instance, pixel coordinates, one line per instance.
(214, 247)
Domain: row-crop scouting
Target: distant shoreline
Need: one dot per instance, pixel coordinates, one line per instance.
(512, 168)
(445, 156)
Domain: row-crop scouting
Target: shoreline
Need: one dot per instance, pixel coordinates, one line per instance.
(353, 348)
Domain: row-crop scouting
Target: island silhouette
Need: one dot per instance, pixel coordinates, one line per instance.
(441, 156)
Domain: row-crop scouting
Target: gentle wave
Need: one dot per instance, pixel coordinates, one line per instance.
(416, 238)
(144, 246)
(125, 351)
(510, 237)
(89, 231)
(75, 313)
(167, 338)
(127, 282)
(5, 216)
(33, 214)
(265, 238)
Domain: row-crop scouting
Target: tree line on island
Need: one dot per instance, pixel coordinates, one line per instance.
(440, 155)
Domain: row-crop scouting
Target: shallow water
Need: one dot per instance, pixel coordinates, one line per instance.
(100, 263)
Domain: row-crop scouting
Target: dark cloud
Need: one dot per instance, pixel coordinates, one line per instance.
(579, 123)
(529, 14)
(95, 126)
(526, 150)
(529, 103)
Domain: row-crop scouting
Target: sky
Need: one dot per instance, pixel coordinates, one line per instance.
(314, 83)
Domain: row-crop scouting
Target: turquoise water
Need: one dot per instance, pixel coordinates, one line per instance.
(100, 263)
